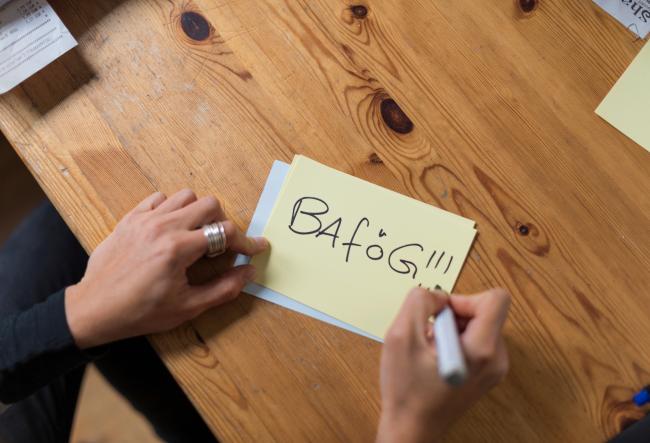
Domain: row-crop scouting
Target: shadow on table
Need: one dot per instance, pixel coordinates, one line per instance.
(80, 16)
(53, 84)
(60, 79)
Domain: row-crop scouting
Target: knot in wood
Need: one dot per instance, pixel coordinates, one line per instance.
(195, 25)
(523, 229)
(394, 117)
(374, 159)
(527, 6)
(359, 11)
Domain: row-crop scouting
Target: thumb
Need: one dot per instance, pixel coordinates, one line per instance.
(223, 289)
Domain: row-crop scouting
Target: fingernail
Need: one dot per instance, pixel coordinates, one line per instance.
(262, 242)
(250, 273)
(438, 288)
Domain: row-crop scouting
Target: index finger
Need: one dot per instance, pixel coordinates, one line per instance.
(413, 316)
(487, 313)
(237, 241)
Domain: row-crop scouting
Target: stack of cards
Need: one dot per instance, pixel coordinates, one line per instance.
(346, 251)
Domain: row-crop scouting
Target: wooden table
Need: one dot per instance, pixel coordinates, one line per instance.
(482, 108)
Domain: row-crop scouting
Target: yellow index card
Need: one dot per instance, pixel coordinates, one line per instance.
(352, 249)
(627, 106)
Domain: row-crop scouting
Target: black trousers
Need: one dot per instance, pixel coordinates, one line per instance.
(41, 257)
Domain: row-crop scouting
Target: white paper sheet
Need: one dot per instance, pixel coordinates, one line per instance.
(31, 37)
(633, 14)
(260, 217)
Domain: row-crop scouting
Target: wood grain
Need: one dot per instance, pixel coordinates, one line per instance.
(92, 423)
(484, 109)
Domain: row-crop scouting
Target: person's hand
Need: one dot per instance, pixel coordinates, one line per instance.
(417, 405)
(136, 280)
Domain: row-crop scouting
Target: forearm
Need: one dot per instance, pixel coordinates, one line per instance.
(394, 429)
(36, 346)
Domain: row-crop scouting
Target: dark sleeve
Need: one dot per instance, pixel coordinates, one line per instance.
(36, 347)
(636, 433)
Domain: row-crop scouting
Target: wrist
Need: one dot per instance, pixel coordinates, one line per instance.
(81, 323)
(406, 428)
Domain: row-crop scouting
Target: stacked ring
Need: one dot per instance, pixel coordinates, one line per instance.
(216, 236)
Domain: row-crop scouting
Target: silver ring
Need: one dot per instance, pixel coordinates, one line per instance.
(216, 236)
